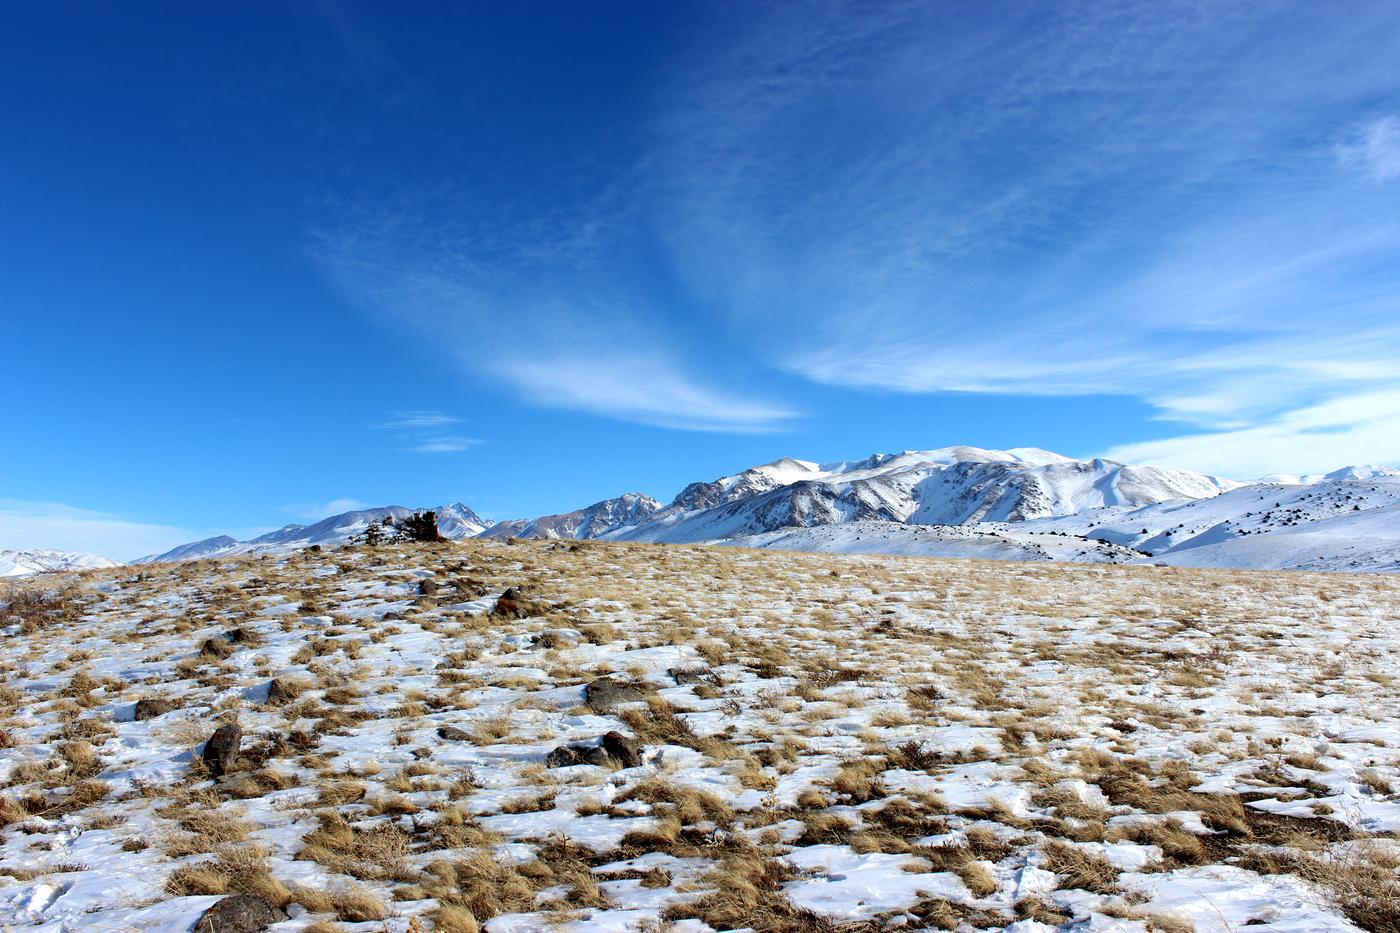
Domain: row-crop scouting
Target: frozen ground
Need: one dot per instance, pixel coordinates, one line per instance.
(822, 743)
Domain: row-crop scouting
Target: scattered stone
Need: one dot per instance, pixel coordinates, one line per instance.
(221, 751)
(453, 734)
(239, 913)
(514, 604)
(151, 707)
(607, 692)
(614, 747)
(427, 587)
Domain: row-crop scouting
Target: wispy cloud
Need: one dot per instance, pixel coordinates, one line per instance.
(418, 421)
(1172, 202)
(449, 444)
(1349, 429)
(560, 337)
(1052, 204)
(315, 512)
(1374, 149)
(25, 524)
(426, 431)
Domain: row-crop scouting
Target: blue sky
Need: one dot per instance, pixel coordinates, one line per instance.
(262, 262)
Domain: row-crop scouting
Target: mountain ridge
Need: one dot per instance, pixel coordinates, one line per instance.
(1024, 502)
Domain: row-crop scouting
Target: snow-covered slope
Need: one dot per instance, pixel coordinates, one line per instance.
(42, 560)
(454, 521)
(597, 519)
(950, 486)
(1334, 524)
(992, 541)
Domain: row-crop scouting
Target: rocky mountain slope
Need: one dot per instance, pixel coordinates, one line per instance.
(455, 521)
(597, 519)
(950, 486)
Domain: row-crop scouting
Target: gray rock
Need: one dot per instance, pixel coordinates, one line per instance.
(239, 913)
(614, 747)
(607, 692)
(151, 707)
(221, 751)
(514, 604)
(453, 734)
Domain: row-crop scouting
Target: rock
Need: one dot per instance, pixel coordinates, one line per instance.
(239, 913)
(513, 604)
(453, 734)
(221, 751)
(427, 587)
(215, 648)
(151, 707)
(607, 692)
(565, 756)
(281, 691)
(624, 750)
(614, 747)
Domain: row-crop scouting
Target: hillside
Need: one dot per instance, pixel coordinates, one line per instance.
(597, 736)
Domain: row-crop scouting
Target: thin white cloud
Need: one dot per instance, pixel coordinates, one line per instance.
(557, 338)
(417, 421)
(1343, 431)
(450, 444)
(1137, 200)
(1374, 149)
(315, 512)
(426, 431)
(642, 389)
(26, 524)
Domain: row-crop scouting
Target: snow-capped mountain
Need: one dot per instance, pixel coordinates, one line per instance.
(1359, 472)
(1024, 503)
(43, 560)
(949, 486)
(601, 517)
(454, 521)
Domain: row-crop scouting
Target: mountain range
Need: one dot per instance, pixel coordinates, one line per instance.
(22, 563)
(1023, 503)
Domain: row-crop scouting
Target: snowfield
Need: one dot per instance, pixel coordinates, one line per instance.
(533, 735)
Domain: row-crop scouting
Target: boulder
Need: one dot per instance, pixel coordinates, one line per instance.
(239, 913)
(281, 691)
(618, 746)
(453, 734)
(614, 747)
(605, 693)
(216, 648)
(151, 707)
(221, 751)
(514, 604)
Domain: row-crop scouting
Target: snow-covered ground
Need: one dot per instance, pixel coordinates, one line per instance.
(821, 742)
